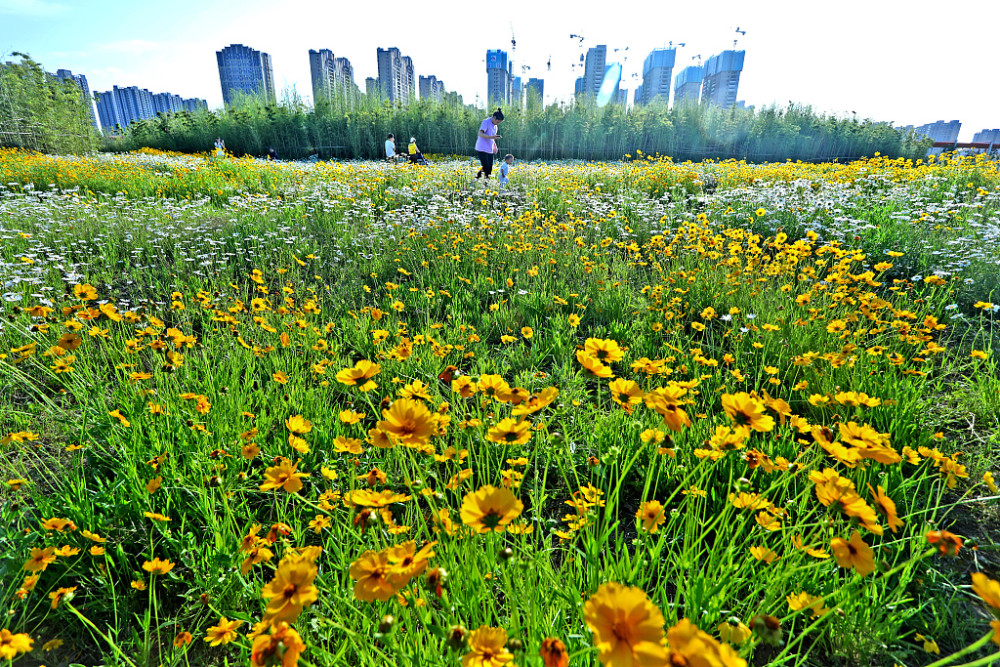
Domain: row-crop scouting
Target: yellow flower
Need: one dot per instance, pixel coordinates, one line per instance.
(408, 422)
(688, 645)
(527, 332)
(360, 375)
(283, 644)
(734, 633)
(510, 432)
(604, 350)
(298, 425)
(535, 402)
(763, 554)
(61, 594)
(930, 646)
(52, 645)
(987, 589)
(487, 648)
(283, 476)
(627, 627)
(291, 589)
(371, 572)
(223, 633)
(626, 392)
(652, 515)
(746, 410)
(490, 508)
(803, 600)
(593, 365)
(157, 566)
(854, 553)
(40, 559)
(84, 292)
(990, 483)
(13, 644)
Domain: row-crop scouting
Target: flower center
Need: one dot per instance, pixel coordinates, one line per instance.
(491, 519)
(623, 631)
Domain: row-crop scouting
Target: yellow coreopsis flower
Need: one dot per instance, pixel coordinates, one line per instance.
(283, 476)
(490, 508)
(627, 627)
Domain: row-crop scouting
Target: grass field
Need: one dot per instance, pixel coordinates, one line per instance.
(636, 413)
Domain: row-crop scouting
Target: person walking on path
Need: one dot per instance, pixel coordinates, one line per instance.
(486, 145)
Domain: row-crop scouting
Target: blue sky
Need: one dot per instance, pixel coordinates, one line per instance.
(908, 62)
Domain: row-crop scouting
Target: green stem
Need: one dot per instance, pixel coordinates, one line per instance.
(965, 651)
(86, 621)
(988, 660)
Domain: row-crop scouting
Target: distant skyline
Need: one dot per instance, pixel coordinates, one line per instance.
(909, 63)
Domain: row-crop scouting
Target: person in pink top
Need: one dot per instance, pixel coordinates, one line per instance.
(486, 144)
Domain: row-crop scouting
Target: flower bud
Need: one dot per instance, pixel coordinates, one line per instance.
(386, 624)
(457, 637)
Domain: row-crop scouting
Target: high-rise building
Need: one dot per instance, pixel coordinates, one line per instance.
(81, 82)
(194, 104)
(687, 84)
(330, 75)
(109, 112)
(721, 78)
(395, 75)
(431, 88)
(498, 77)
(594, 69)
(409, 79)
(122, 106)
(516, 92)
(535, 89)
(372, 86)
(578, 86)
(167, 103)
(940, 130)
(985, 136)
(245, 70)
(657, 73)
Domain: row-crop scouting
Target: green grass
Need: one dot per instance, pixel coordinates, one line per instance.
(250, 302)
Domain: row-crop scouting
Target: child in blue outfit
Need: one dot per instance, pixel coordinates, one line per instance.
(508, 162)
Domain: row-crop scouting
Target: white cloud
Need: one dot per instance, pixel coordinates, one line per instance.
(31, 7)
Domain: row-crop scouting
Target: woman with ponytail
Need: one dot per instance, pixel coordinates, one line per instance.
(486, 145)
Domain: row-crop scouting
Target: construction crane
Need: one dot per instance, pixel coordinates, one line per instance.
(742, 32)
(550, 62)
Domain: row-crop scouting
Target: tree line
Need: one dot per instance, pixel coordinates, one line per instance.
(357, 126)
(42, 113)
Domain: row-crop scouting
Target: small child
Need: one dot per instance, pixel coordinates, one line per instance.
(508, 162)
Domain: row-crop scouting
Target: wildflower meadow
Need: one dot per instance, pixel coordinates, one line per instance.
(622, 413)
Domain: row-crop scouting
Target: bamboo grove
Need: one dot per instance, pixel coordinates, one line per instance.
(356, 128)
